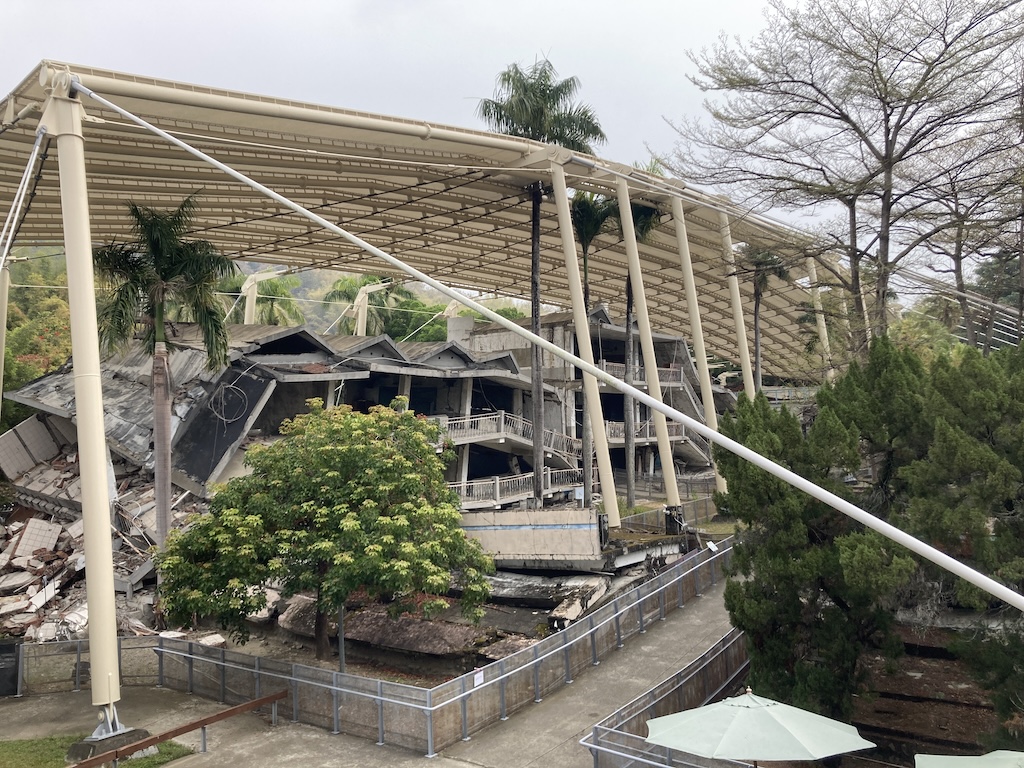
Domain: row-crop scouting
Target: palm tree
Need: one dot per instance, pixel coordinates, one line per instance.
(274, 302)
(141, 278)
(761, 264)
(534, 104)
(345, 289)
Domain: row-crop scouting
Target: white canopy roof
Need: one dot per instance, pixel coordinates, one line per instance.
(449, 201)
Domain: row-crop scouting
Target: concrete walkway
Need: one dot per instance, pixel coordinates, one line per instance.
(543, 734)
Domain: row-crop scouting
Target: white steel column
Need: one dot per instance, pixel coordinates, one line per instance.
(819, 316)
(737, 306)
(63, 117)
(636, 278)
(586, 349)
(707, 395)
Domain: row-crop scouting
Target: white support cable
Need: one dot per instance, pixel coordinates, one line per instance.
(7, 235)
(897, 535)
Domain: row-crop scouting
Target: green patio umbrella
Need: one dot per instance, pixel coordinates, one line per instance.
(1001, 758)
(750, 727)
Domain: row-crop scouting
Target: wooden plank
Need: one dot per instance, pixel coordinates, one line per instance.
(131, 749)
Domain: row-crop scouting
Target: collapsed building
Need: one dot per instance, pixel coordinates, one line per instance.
(474, 384)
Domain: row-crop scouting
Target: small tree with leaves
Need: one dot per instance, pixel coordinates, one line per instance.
(345, 501)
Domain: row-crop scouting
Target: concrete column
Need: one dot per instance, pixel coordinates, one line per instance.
(819, 316)
(467, 410)
(586, 350)
(63, 117)
(636, 278)
(707, 395)
(737, 306)
(251, 294)
(405, 386)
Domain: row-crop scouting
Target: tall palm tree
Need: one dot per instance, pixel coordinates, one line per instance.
(274, 302)
(141, 278)
(762, 265)
(534, 104)
(345, 289)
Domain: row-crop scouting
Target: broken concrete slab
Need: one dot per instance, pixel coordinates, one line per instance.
(405, 633)
(14, 582)
(300, 618)
(506, 647)
(213, 641)
(43, 596)
(21, 606)
(38, 534)
(76, 530)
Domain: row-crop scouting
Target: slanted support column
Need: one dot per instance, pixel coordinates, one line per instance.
(63, 118)
(586, 350)
(819, 316)
(737, 306)
(404, 385)
(251, 295)
(636, 279)
(707, 395)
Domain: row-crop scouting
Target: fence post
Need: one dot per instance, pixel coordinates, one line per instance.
(430, 725)
(380, 713)
(661, 603)
(463, 705)
(566, 651)
(618, 624)
(640, 608)
(593, 641)
(501, 690)
(20, 653)
(223, 676)
(536, 675)
(594, 753)
(159, 661)
(202, 739)
(295, 697)
(334, 703)
(191, 666)
(259, 678)
(78, 665)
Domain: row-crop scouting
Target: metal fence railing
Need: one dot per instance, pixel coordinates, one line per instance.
(694, 511)
(619, 740)
(393, 713)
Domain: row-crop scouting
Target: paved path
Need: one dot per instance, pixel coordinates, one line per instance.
(541, 735)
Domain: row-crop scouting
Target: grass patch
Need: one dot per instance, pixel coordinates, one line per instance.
(719, 527)
(50, 751)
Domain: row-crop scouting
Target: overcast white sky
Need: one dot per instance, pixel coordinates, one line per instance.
(426, 59)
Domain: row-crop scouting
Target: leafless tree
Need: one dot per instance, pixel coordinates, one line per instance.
(835, 101)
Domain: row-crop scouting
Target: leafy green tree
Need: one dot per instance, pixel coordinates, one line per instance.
(535, 104)
(275, 304)
(379, 303)
(345, 501)
(808, 588)
(413, 320)
(36, 346)
(887, 401)
(141, 279)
